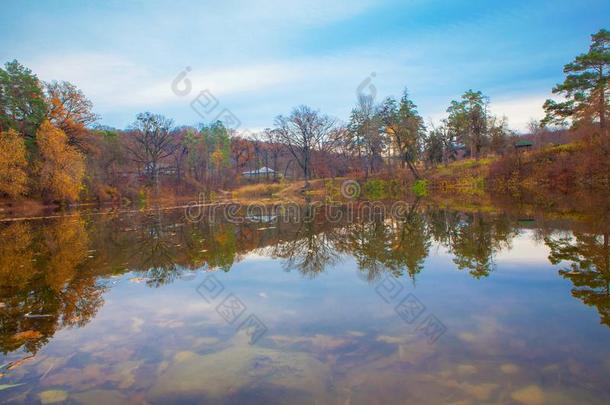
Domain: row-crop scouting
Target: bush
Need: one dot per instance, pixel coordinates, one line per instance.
(258, 190)
(381, 189)
(420, 188)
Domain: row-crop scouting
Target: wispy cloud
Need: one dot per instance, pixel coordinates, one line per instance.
(263, 57)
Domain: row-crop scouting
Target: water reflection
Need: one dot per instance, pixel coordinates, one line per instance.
(55, 274)
(42, 287)
(589, 258)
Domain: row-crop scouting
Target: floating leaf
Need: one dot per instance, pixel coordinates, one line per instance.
(14, 364)
(7, 386)
(52, 396)
(27, 335)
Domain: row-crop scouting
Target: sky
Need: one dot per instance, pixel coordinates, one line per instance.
(248, 61)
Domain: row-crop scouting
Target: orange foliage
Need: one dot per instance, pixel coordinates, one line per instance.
(565, 168)
(70, 111)
(13, 164)
(61, 167)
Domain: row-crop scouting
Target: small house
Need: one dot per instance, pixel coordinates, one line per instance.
(263, 172)
(523, 145)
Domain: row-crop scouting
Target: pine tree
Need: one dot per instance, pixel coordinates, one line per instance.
(586, 87)
(22, 104)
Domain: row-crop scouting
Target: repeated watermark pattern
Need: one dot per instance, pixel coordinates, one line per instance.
(350, 189)
(410, 309)
(204, 104)
(231, 308)
(287, 211)
(366, 88)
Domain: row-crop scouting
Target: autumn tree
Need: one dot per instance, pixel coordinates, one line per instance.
(61, 168)
(499, 134)
(106, 161)
(586, 87)
(218, 146)
(304, 131)
(22, 104)
(241, 153)
(208, 152)
(70, 111)
(149, 142)
(180, 154)
(197, 155)
(13, 164)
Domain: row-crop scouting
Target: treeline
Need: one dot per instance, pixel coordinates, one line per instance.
(52, 147)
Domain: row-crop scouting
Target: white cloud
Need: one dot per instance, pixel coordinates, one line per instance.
(104, 77)
(519, 109)
(112, 80)
(525, 250)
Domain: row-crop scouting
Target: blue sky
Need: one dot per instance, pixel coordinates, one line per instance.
(260, 58)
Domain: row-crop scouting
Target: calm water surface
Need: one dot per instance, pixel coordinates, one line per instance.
(438, 306)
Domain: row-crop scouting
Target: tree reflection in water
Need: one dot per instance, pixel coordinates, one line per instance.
(43, 283)
(589, 271)
(54, 273)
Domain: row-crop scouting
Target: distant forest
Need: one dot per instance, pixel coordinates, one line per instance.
(54, 149)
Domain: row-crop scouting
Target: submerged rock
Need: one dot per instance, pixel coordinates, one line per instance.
(509, 368)
(52, 396)
(238, 367)
(530, 395)
(106, 397)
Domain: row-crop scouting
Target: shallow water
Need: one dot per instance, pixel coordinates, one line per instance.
(436, 306)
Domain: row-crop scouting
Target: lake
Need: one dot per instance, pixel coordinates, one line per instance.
(409, 304)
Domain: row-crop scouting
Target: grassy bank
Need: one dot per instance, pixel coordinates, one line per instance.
(582, 166)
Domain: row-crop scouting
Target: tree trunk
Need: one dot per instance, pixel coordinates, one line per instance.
(413, 170)
(602, 107)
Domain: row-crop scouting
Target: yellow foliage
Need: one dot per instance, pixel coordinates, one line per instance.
(61, 167)
(258, 190)
(13, 164)
(217, 158)
(16, 255)
(67, 242)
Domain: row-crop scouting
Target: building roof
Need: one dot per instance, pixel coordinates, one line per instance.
(524, 143)
(262, 170)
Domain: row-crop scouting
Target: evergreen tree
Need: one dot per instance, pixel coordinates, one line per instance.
(586, 87)
(22, 103)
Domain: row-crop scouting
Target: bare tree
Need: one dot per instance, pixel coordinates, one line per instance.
(150, 141)
(275, 148)
(303, 132)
